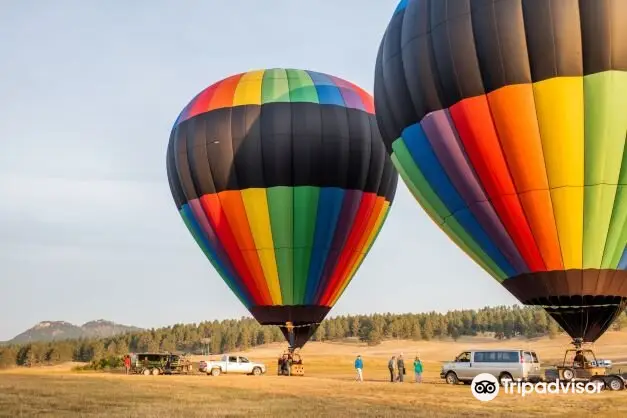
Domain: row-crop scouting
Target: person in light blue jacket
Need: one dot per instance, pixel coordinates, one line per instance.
(359, 365)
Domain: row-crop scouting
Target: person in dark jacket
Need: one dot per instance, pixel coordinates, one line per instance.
(400, 363)
(391, 367)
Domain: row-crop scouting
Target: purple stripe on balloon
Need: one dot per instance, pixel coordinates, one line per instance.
(350, 206)
(203, 221)
(352, 99)
(442, 135)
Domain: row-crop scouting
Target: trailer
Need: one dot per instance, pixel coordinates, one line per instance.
(581, 365)
(160, 363)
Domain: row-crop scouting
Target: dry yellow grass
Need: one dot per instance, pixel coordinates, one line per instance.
(327, 390)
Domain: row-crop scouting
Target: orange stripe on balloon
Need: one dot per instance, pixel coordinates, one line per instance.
(366, 205)
(219, 222)
(473, 122)
(223, 96)
(235, 211)
(514, 115)
(356, 252)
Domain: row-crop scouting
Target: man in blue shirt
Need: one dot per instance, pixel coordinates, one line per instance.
(359, 365)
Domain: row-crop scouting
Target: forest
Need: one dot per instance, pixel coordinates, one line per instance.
(215, 337)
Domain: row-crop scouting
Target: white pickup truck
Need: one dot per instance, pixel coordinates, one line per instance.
(233, 364)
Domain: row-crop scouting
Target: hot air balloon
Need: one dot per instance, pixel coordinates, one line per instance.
(507, 120)
(283, 180)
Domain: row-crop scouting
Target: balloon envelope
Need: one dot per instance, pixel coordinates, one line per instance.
(507, 120)
(282, 178)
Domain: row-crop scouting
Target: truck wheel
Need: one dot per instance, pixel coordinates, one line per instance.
(614, 383)
(256, 371)
(215, 372)
(451, 378)
(504, 378)
(146, 372)
(598, 381)
(568, 374)
(155, 372)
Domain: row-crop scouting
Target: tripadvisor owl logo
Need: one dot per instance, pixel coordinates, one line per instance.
(485, 387)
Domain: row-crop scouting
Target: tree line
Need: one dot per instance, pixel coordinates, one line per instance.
(216, 337)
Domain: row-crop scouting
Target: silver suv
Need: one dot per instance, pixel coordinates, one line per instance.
(506, 364)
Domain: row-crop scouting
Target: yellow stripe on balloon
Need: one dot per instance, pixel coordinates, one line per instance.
(560, 110)
(364, 250)
(256, 204)
(248, 91)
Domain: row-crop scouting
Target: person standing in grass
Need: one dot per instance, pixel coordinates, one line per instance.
(127, 363)
(401, 368)
(391, 367)
(418, 370)
(359, 365)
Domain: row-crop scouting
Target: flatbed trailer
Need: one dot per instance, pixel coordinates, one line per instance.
(160, 363)
(584, 367)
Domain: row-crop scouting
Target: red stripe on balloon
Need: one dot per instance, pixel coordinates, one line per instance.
(473, 121)
(217, 218)
(358, 228)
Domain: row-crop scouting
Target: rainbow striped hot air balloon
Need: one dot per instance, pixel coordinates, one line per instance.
(507, 120)
(282, 178)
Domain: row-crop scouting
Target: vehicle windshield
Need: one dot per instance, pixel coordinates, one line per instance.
(243, 360)
(463, 357)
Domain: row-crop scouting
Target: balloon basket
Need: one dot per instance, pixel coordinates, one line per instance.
(290, 364)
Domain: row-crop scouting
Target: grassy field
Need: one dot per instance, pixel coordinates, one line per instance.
(327, 390)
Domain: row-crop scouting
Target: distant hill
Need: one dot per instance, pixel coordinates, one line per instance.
(61, 330)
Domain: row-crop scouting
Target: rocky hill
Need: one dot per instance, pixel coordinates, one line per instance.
(61, 330)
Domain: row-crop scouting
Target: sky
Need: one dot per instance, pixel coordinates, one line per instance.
(88, 95)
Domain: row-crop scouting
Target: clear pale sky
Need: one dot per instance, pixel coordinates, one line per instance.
(88, 94)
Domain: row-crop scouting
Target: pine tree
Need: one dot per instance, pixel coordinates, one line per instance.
(427, 329)
(355, 327)
(416, 332)
(553, 329)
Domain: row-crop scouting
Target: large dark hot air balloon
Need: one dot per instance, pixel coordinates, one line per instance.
(507, 120)
(282, 178)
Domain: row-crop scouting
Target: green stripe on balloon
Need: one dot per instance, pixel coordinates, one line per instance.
(305, 213)
(302, 88)
(617, 236)
(275, 87)
(605, 127)
(281, 208)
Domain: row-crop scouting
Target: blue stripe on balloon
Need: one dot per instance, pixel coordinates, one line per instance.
(320, 79)
(328, 92)
(401, 6)
(329, 206)
(622, 264)
(330, 95)
(223, 266)
(421, 152)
